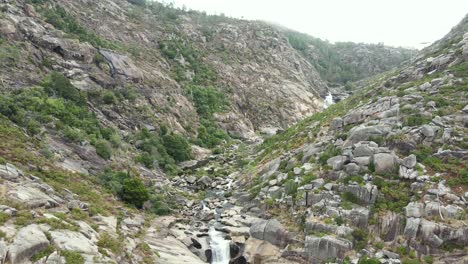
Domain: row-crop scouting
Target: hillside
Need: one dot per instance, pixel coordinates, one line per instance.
(135, 132)
(342, 63)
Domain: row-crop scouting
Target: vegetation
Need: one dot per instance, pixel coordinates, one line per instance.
(327, 58)
(61, 20)
(43, 253)
(394, 195)
(129, 188)
(162, 149)
(72, 257)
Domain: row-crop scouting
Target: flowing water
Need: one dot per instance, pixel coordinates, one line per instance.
(219, 247)
(328, 100)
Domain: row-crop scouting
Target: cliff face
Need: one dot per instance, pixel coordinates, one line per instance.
(162, 52)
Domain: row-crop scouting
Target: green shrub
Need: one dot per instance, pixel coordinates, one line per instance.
(111, 243)
(134, 192)
(103, 149)
(330, 151)
(308, 178)
(3, 218)
(177, 146)
(154, 152)
(360, 238)
(349, 197)
(72, 257)
(291, 187)
(415, 120)
(56, 84)
(159, 205)
(43, 253)
(60, 19)
(429, 259)
(109, 98)
(73, 134)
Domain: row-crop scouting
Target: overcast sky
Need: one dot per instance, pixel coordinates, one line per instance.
(405, 23)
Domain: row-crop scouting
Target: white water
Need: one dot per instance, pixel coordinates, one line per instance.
(219, 247)
(328, 100)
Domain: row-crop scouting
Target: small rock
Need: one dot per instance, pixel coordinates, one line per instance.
(409, 162)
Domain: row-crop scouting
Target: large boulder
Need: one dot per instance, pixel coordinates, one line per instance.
(414, 209)
(69, 49)
(390, 226)
(28, 241)
(385, 163)
(31, 196)
(320, 249)
(337, 162)
(366, 194)
(363, 133)
(271, 231)
(122, 65)
(9, 172)
(73, 241)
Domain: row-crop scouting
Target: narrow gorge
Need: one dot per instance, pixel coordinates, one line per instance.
(133, 131)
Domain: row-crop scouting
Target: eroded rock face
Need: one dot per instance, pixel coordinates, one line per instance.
(73, 241)
(122, 65)
(319, 249)
(271, 231)
(28, 241)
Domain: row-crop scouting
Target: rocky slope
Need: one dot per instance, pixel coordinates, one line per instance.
(381, 176)
(106, 107)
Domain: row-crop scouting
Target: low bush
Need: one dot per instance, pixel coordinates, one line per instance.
(103, 149)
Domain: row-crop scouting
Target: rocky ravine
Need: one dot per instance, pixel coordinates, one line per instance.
(379, 177)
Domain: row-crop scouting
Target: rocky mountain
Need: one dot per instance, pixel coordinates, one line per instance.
(134, 132)
(342, 63)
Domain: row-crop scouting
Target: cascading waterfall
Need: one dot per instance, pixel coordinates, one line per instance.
(220, 250)
(220, 247)
(328, 100)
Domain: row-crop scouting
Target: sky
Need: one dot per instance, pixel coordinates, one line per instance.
(406, 23)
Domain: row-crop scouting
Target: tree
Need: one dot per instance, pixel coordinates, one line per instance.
(177, 146)
(56, 84)
(134, 192)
